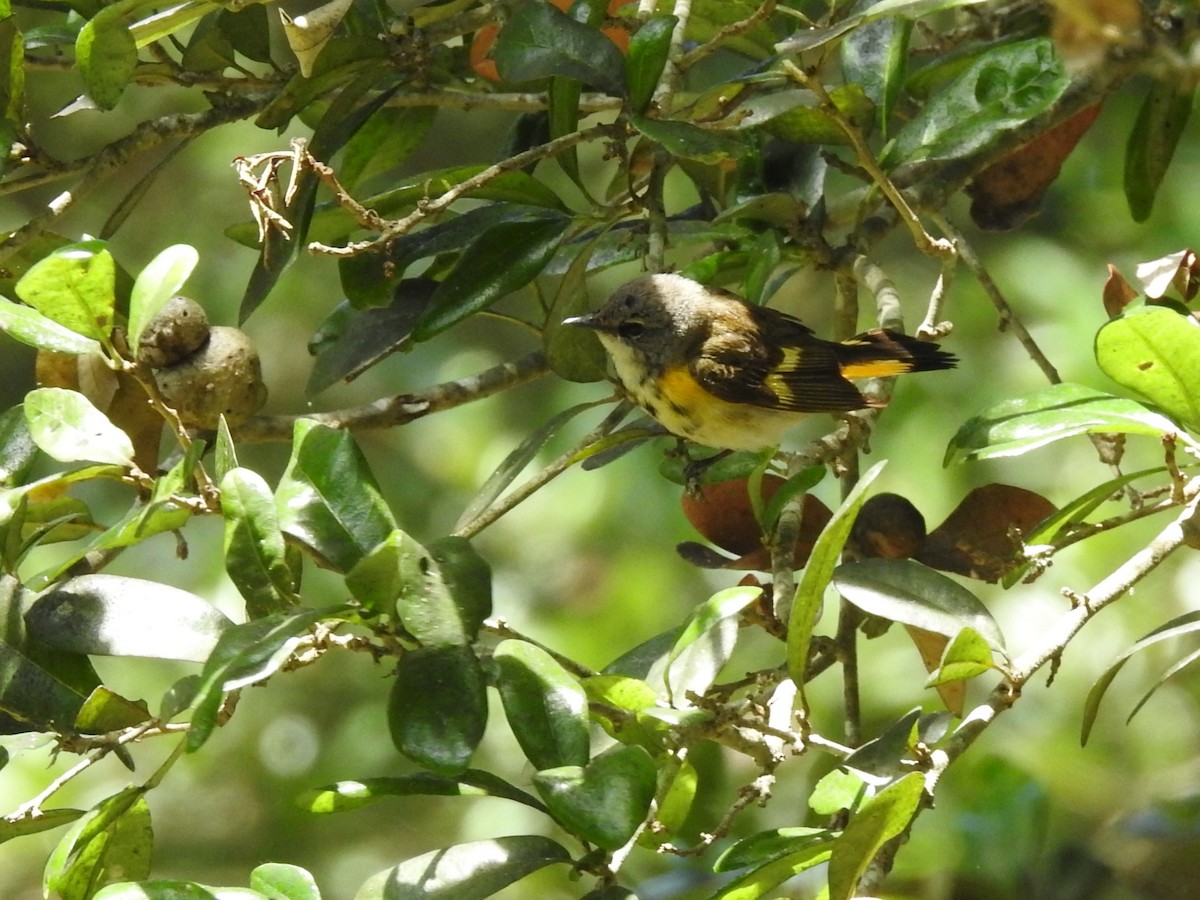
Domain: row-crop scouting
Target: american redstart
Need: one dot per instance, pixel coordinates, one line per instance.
(724, 373)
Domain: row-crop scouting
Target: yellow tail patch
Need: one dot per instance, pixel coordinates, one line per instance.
(877, 368)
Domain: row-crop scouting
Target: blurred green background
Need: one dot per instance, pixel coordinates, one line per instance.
(588, 565)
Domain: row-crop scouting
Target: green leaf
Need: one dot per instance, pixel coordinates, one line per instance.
(837, 791)
(466, 576)
(437, 710)
(706, 617)
(1016, 426)
(967, 656)
(17, 449)
(875, 56)
(1005, 88)
(503, 259)
(279, 881)
(765, 877)
(248, 654)
(690, 141)
(605, 801)
(1155, 352)
(767, 845)
(40, 688)
(65, 425)
(156, 284)
(74, 286)
(1188, 623)
(810, 593)
(166, 889)
(347, 795)
(647, 58)
(395, 565)
(106, 711)
(880, 819)
(27, 325)
(574, 353)
(546, 706)
(106, 55)
(539, 41)
(255, 555)
(1156, 132)
(905, 591)
(880, 760)
(328, 499)
(114, 615)
(384, 142)
(443, 592)
(112, 841)
(46, 820)
(800, 483)
(248, 31)
(471, 871)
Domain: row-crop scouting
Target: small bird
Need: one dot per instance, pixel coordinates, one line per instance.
(727, 374)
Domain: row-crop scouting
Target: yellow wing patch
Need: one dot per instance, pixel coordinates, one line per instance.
(877, 368)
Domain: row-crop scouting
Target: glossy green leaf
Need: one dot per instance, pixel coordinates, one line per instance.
(255, 555)
(810, 592)
(905, 591)
(690, 141)
(1187, 624)
(1006, 87)
(394, 566)
(539, 41)
(40, 687)
(105, 711)
(156, 284)
(248, 654)
(328, 499)
(280, 881)
(444, 590)
(1160, 124)
(1016, 426)
(503, 259)
(647, 58)
(27, 325)
(45, 821)
(563, 116)
(707, 616)
(437, 710)
(74, 286)
(1155, 352)
(767, 845)
(111, 842)
(106, 55)
(471, 871)
(348, 795)
(65, 425)
(546, 706)
(966, 656)
(466, 576)
(760, 881)
(17, 449)
(114, 615)
(605, 801)
(800, 483)
(880, 819)
(384, 142)
(613, 693)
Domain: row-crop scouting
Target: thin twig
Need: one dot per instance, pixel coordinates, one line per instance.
(401, 409)
(429, 208)
(732, 30)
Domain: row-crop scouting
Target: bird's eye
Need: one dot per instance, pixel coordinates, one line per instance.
(631, 329)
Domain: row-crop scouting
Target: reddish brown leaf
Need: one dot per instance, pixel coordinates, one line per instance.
(1008, 192)
(1117, 293)
(980, 538)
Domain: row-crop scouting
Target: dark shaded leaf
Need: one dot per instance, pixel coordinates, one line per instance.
(539, 41)
(437, 710)
(605, 801)
(546, 706)
(503, 259)
(690, 141)
(1152, 141)
(647, 58)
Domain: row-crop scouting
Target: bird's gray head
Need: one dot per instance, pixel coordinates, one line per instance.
(655, 317)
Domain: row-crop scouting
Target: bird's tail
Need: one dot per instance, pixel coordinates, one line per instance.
(880, 353)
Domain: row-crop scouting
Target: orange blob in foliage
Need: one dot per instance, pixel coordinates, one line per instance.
(485, 38)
